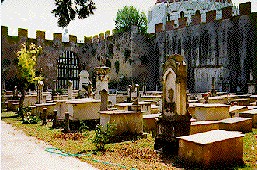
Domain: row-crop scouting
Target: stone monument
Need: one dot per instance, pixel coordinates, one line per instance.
(40, 86)
(70, 90)
(175, 119)
(102, 79)
(83, 79)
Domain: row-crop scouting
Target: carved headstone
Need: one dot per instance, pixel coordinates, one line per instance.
(175, 119)
(83, 79)
(102, 79)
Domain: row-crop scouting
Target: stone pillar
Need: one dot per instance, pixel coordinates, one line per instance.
(129, 93)
(44, 116)
(70, 90)
(67, 122)
(55, 119)
(15, 93)
(104, 100)
(40, 86)
(137, 89)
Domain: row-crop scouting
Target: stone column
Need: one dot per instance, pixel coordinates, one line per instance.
(70, 90)
(129, 93)
(137, 90)
(40, 86)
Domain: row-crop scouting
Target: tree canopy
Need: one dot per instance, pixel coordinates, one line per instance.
(27, 68)
(66, 10)
(130, 16)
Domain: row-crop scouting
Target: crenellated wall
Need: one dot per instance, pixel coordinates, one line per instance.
(224, 49)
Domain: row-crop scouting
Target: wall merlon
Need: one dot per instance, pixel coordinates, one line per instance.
(196, 19)
(57, 36)
(227, 12)
(87, 39)
(158, 27)
(95, 39)
(211, 16)
(170, 25)
(73, 38)
(22, 33)
(101, 36)
(4, 31)
(182, 22)
(40, 34)
(245, 8)
(107, 33)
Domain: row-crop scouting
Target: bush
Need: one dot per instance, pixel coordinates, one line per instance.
(102, 136)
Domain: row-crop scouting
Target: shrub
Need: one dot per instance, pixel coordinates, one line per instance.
(103, 136)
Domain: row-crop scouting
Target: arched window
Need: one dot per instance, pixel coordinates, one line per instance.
(67, 69)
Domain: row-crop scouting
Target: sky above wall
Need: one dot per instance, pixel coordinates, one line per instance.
(36, 15)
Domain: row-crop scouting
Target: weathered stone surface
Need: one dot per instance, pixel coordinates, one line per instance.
(236, 124)
(205, 112)
(203, 126)
(213, 148)
(127, 121)
(250, 114)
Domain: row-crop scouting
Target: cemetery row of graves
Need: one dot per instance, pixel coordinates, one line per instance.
(142, 129)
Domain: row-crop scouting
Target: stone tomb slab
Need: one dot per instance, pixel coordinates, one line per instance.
(212, 148)
(236, 124)
(235, 110)
(126, 121)
(84, 109)
(150, 123)
(211, 112)
(203, 126)
(250, 114)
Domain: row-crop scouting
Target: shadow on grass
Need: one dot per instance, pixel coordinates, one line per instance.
(175, 161)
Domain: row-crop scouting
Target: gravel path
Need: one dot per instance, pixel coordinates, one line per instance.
(19, 151)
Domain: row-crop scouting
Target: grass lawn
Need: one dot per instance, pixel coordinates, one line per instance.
(137, 154)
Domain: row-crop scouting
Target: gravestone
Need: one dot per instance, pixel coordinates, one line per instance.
(102, 79)
(175, 119)
(83, 79)
(40, 86)
(70, 90)
(15, 93)
(104, 100)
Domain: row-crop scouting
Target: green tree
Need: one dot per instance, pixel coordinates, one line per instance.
(66, 10)
(130, 16)
(26, 70)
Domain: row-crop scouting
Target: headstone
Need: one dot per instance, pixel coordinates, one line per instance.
(70, 90)
(55, 119)
(67, 122)
(83, 79)
(104, 100)
(102, 79)
(137, 89)
(129, 90)
(175, 119)
(44, 116)
(40, 86)
(15, 93)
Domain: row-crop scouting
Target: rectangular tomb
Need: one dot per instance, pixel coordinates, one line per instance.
(250, 114)
(126, 121)
(236, 124)
(203, 126)
(206, 112)
(84, 109)
(216, 147)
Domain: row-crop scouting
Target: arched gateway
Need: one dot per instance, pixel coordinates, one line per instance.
(67, 69)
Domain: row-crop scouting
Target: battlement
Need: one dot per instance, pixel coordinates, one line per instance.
(211, 16)
(41, 36)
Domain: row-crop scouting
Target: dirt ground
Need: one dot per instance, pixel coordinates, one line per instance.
(19, 151)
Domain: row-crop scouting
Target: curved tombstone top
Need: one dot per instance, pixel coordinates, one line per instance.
(84, 74)
(174, 86)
